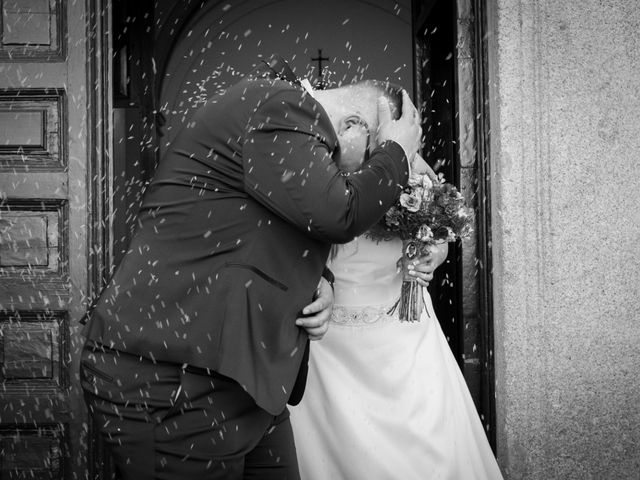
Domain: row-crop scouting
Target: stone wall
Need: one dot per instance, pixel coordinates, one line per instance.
(565, 107)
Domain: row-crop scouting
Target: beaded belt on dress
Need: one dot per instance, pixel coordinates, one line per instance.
(353, 316)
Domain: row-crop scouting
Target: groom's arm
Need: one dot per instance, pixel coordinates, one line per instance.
(288, 167)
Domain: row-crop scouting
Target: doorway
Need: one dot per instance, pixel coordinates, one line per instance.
(450, 85)
(169, 56)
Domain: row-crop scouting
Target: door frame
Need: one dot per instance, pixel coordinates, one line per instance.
(99, 184)
(100, 142)
(482, 91)
(473, 176)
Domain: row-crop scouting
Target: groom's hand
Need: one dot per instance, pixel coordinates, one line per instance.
(317, 314)
(405, 131)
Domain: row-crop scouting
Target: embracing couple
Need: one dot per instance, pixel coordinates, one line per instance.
(201, 337)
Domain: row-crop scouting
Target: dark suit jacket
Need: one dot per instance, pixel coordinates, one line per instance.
(234, 232)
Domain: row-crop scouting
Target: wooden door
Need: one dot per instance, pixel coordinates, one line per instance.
(43, 242)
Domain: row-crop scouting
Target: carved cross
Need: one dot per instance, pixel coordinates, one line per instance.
(320, 83)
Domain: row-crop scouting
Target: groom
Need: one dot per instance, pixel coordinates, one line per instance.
(193, 348)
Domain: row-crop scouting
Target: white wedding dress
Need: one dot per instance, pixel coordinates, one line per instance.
(385, 399)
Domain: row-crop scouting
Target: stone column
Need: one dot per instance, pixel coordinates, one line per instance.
(565, 158)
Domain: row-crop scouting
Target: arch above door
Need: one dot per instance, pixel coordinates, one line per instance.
(222, 41)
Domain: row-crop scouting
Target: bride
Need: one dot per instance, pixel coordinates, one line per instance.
(385, 399)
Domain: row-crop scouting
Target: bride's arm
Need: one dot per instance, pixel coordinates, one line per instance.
(439, 253)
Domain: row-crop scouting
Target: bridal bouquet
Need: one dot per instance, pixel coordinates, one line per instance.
(429, 211)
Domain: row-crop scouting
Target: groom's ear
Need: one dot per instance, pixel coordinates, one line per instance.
(352, 121)
(353, 133)
(353, 138)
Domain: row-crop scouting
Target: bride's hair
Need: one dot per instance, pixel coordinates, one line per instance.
(333, 252)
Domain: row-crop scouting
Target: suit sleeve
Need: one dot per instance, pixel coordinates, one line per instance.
(288, 167)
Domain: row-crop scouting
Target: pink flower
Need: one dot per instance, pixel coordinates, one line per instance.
(410, 202)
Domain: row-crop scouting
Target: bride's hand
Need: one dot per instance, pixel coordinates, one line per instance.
(422, 268)
(318, 313)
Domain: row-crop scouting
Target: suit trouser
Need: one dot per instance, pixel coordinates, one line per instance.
(163, 421)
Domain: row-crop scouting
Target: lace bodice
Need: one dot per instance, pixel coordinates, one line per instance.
(367, 280)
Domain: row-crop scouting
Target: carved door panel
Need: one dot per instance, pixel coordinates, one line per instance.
(42, 236)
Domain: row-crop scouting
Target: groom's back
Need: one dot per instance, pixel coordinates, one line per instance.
(211, 275)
